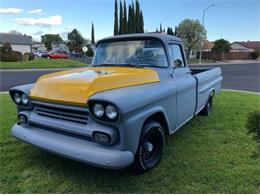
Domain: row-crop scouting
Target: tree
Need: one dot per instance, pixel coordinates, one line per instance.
(133, 17)
(121, 19)
(161, 27)
(47, 39)
(170, 31)
(130, 19)
(6, 48)
(137, 16)
(141, 22)
(116, 19)
(221, 46)
(92, 34)
(90, 52)
(125, 27)
(192, 33)
(176, 31)
(75, 40)
(133, 22)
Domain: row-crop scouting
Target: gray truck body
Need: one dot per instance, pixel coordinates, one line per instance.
(180, 95)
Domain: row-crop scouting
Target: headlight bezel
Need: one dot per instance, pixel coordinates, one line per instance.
(105, 104)
(20, 93)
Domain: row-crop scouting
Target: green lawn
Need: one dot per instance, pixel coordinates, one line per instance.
(41, 63)
(207, 155)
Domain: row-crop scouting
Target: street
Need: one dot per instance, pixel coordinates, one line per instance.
(236, 76)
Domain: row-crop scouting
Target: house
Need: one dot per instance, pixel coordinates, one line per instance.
(245, 46)
(21, 43)
(38, 46)
(207, 46)
(59, 46)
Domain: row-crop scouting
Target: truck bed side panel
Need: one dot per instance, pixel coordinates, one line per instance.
(208, 81)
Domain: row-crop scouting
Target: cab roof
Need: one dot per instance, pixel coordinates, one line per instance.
(161, 36)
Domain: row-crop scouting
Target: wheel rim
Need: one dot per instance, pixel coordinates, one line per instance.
(209, 108)
(152, 149)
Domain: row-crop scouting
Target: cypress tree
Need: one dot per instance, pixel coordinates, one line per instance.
(121, 19)
(92, 34)
(137, 16)
(125, 27)
(161, 27)
(130, 22)
(170, 31)
(176, 31)
(133, 18)
(116, 19)
(141, 22)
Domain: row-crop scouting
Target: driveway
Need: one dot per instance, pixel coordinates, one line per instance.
(236, 76)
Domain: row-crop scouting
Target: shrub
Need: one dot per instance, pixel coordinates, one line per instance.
(253, 124)
(25, 57)
(90, 52)
(31, 55)
(12, 56)
(255, 54)
(6, 47)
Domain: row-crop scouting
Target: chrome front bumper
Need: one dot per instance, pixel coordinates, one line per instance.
(74, 148)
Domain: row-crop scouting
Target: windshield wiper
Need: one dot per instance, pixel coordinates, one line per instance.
(121, 64)
(105, 64)
(131, 65)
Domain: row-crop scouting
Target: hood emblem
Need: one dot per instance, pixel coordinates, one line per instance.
(104, 72)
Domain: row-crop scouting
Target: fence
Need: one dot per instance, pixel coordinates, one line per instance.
(227, 56)
(82, 58)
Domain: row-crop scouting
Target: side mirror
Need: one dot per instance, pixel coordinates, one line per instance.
(177, 63)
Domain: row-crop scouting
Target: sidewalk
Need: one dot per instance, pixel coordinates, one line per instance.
(231, 62)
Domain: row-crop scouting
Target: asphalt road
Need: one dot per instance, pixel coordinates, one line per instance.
(236, 76)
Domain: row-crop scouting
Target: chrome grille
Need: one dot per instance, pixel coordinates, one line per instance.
(73, 115)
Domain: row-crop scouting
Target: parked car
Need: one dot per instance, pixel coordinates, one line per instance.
(57, 55)
(39, 53)
(118, 111)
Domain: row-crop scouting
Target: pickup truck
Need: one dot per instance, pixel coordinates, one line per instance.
(118, 111)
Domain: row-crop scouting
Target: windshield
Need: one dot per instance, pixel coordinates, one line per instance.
(134, 52)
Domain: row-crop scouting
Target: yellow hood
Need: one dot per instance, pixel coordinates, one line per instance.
(76, 86)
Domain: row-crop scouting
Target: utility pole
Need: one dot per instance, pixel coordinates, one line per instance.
(203, 17)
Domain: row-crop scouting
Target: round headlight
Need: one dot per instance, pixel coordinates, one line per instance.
(17, 98)
(111, 112)
(24, 99)
(98, 110)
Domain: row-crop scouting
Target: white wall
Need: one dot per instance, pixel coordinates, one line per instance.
(20, 48)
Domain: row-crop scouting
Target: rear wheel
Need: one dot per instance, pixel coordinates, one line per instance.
(207, 110)
(150, 148)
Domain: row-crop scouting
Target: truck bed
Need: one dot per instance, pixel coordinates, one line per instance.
(208, 81)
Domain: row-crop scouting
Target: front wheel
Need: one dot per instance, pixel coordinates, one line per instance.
(150, 148)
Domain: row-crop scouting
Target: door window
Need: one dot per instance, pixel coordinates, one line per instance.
(176, 56)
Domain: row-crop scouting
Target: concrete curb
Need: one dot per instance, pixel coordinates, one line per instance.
(223, 63)
(35, 70)
(236, 90)
(4, 92)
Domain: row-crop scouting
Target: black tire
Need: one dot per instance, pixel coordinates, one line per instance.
(207, 110)
(150, 147)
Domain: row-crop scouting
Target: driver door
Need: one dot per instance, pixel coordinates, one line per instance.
(185, 83)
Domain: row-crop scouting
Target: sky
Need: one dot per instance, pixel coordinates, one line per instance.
(233, 20)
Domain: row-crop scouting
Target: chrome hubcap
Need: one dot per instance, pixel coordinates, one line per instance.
(148, 146)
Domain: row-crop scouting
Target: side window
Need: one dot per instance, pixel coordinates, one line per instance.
(176, 55)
